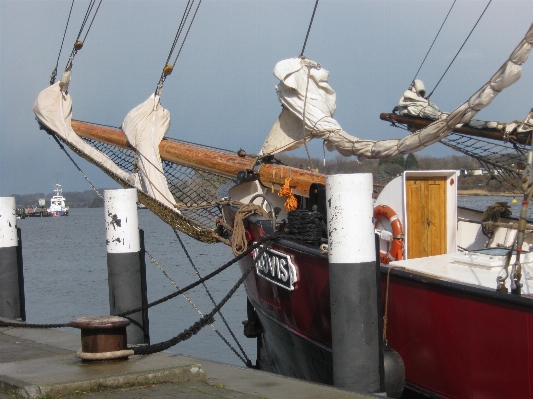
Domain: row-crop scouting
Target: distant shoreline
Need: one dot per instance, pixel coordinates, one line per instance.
(478, 192)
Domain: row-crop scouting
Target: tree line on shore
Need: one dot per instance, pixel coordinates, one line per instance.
(382, 171)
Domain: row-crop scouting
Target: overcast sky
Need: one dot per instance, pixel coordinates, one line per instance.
(221, 92)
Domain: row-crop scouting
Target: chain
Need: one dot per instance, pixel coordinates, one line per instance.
(200, 281)
(25, 325)
(204, 320)
(247, 361)
(164, 299)
(196, 308)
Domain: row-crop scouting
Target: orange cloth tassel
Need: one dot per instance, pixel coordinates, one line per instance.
(285, 191)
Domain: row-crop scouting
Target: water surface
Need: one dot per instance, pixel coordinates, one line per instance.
(65, 275)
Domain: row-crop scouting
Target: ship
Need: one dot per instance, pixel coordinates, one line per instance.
(58, 205)
(454, 286)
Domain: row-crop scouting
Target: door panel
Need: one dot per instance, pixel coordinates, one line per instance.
(426, 217)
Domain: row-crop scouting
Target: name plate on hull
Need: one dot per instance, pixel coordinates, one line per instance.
(276, 267)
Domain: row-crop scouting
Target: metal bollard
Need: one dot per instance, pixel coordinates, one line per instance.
(125, 270)
(353, 286)
(11, 272)
(103, 338)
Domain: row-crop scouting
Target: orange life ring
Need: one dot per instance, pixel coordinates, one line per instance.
(396, 247)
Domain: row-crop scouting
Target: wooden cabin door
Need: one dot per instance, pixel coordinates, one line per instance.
(426, 217)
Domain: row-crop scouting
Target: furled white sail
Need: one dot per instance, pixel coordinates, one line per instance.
(145, 126)
(527, 124)
(304, 91)
(53, 109)
(414, 103)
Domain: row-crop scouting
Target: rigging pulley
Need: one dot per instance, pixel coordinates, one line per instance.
(169, 67)
(78, 44)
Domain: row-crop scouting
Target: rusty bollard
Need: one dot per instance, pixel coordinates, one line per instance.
(103, 338)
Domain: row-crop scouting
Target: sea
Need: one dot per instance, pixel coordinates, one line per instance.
(65, 277)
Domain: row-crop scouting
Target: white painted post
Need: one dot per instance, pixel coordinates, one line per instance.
(125, 270)
(353, 288)
(11, 278)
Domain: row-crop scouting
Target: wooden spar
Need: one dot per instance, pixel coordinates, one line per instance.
(493, 134)
(202, 158)
(270, 175)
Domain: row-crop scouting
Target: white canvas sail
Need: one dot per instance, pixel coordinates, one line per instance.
(304, 91)
(53, 109)
(145, 126)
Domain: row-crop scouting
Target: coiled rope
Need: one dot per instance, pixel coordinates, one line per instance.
(493, 213)
(305, 226)
(239, 243)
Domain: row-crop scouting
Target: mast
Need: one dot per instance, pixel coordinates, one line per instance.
(58, 190)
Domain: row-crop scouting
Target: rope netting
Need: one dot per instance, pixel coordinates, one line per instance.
(196, 192)
(504, 161)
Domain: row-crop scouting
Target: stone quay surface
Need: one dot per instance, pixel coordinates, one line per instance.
(41, 363)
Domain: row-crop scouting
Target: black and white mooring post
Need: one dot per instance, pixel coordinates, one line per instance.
(11, 274)
(352, 280)
(125, 262)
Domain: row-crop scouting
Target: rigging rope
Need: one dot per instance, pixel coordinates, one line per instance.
(79, 44)
(200, 281)
(54, 72)
(187, 34)
(167, 69)
(92, 20)
(196, 308)
(305, 225)
(180, 28)
(309, 29)
(247, 361)
(204, 320)
(430, 47)
(4, 323)
(240, 239)
(76, 165)
(458, 51)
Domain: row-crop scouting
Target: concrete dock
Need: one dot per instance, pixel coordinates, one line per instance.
(41, 363)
